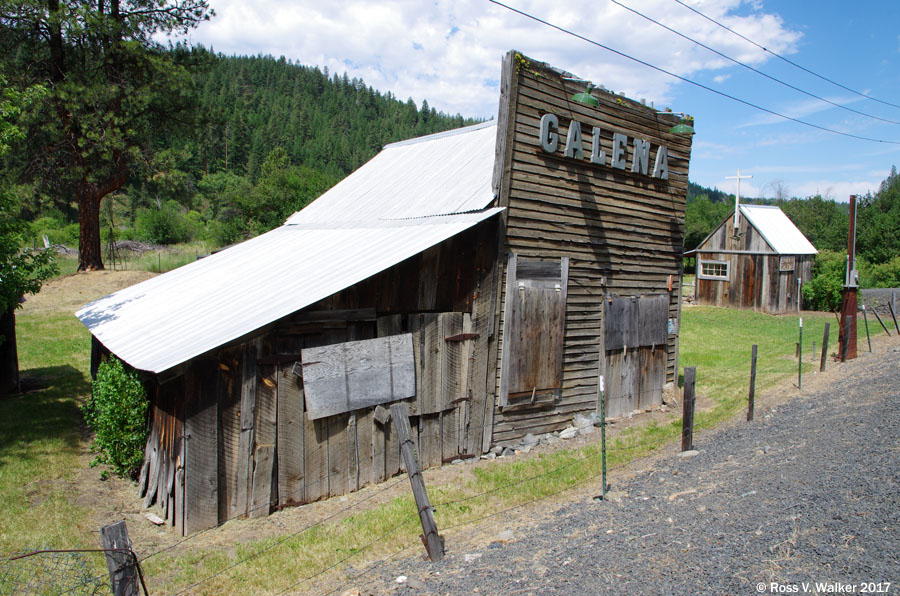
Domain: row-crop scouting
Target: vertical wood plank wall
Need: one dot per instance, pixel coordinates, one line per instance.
(623, 232)
(251, 446)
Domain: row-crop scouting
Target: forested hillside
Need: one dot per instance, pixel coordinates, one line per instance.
(270, 137)
(332, 124)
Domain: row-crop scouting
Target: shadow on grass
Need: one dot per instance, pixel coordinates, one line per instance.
(47, 410)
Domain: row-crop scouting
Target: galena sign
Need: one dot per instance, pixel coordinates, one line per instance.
(574, 148)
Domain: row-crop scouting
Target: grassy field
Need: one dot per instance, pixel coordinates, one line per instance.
(43, 448)
(160, 260)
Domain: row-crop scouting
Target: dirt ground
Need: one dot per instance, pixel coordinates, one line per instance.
(116, 499)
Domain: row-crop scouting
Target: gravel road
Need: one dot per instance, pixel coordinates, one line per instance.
(808, 492)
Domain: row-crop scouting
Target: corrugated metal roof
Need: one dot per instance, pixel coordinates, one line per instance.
(778, 230)
(440, 174)
(411, 196)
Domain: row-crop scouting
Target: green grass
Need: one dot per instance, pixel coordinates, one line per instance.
(38, 458)
(40, 437)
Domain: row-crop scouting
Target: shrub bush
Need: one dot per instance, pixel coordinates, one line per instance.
(166, 225)
(881, 275)
(825, 290)
(117, 412)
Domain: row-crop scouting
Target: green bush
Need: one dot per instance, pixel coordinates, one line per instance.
(117, 412)
(881, 275)
(166, 225)
(825, 290)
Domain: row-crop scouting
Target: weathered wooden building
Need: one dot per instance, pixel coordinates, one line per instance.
(762, 266)
(488, 276)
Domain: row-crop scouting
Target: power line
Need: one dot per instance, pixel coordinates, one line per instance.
(780, 57)
(748, 67)
(686, 80)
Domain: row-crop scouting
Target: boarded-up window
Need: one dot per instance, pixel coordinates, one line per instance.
(534, 325)
(358, 374)
(714, 269)
(634, 322)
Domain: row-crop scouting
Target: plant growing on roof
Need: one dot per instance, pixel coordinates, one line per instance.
(117, 412)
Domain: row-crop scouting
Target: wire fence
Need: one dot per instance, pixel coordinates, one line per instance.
(49, 572)
(54, 572)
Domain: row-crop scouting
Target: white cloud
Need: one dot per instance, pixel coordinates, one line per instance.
(449, 51)
(721, 78)
(839, 190)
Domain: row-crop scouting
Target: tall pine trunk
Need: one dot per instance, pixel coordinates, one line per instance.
(90, 257)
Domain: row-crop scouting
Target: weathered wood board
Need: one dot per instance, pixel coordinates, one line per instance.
(354, 375)
(290, 439)
(201, 506)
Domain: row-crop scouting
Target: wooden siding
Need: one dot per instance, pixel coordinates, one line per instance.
(622, 232)
(756, 278)
(251, 445)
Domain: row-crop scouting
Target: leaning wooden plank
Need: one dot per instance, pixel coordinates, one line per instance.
(434, 544)
(260, 501)
(201, 463)
(290, 438)
(153, 461)
(179, 486)
(355, 375)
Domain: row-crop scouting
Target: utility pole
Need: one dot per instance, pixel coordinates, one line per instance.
(847, 332)
(737, 199)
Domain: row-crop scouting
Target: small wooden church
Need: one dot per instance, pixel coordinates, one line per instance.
(490, 277)
(755, 259)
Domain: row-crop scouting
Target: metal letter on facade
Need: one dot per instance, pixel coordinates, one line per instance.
(549, 136)
(574, 146)
(618, 151)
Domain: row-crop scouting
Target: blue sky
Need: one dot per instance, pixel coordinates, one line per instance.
(449, 53)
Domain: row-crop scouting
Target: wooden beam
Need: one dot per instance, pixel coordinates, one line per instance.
(434, 543)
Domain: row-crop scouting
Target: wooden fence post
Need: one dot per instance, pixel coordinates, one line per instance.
(434, 543)
(894, 316)
(752, 384)
(866, 320)
(121, 563)
(687, 420)
(883, 326)
(824, 347)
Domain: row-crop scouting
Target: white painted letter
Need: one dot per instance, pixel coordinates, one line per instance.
(549, 136)
(618, 151)
(661, 165)
(574, 146)
(598, 156)
(641, 158)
